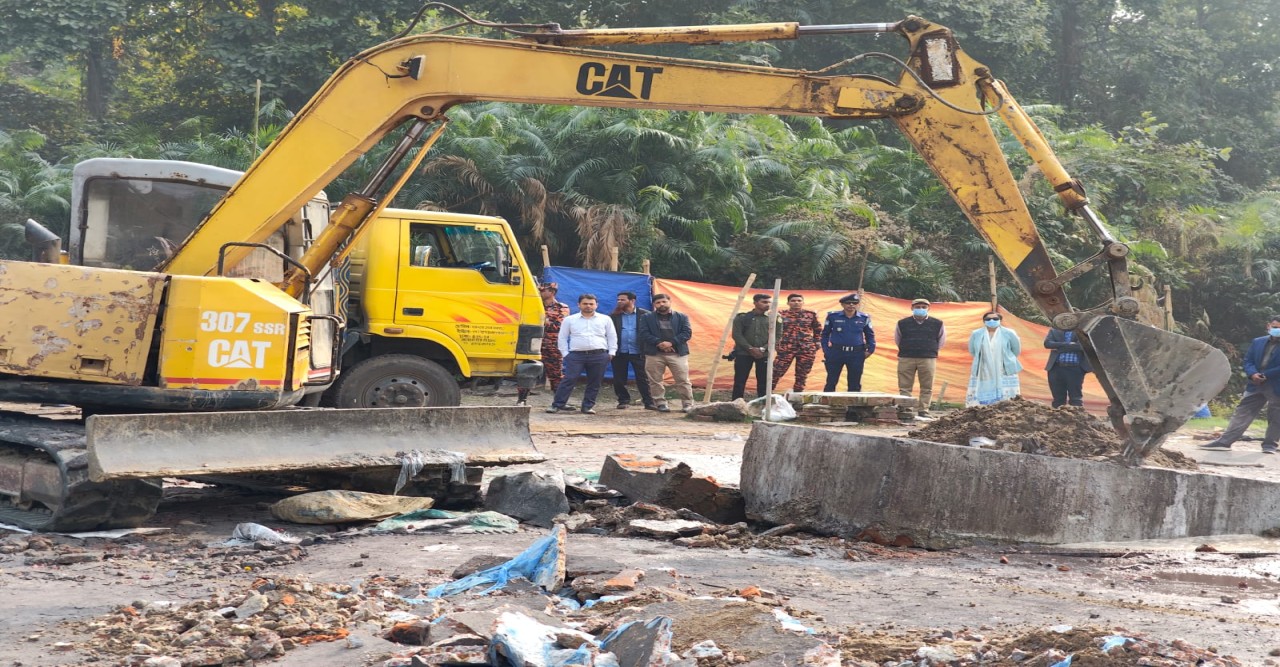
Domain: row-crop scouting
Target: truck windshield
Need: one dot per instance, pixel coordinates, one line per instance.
(137, 224)
(463, 247)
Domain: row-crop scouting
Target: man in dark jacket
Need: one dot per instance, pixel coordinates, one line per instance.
(626, 320)
(751, 345)
(1262, 365)
(919, 338)
(664, 339)
(1067, 366)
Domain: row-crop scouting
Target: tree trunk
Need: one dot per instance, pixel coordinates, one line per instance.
(1069, 56)
(96, 85)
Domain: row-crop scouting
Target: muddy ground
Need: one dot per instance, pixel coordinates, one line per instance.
(75, 601)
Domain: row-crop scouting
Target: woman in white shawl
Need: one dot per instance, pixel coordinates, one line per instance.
(994, 374)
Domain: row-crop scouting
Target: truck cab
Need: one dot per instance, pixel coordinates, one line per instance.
(435, 296)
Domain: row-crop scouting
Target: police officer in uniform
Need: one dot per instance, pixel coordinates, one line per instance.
(847, 341)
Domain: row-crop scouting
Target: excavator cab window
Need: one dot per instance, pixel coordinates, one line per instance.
(137, 224)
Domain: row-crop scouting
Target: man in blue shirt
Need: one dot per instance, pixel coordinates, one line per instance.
(847, 341)
(626, 316)
(1262, 365)
(1067, 366)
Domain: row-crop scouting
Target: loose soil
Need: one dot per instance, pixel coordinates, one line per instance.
(1035, 428)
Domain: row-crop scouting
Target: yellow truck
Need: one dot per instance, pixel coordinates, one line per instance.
(428, 297)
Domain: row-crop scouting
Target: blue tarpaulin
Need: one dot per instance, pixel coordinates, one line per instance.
(604, 284)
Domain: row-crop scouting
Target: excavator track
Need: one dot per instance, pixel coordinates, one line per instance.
(45, 485)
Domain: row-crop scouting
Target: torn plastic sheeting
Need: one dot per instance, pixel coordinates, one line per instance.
(452, 522)
(520, 641)
(1114, 641)
(604, 598)
(542, 563)
(410, 465)
(790, 623)
(1066, 662)
(248, 533)
(105, 534)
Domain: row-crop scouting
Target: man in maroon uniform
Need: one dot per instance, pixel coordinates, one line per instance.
(801, 335)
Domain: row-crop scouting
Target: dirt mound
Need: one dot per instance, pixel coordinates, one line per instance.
(1035, 428)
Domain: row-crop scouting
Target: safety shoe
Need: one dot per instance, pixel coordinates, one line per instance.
(588, 411)
(1215, 445)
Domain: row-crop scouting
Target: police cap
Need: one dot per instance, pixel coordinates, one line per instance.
(850, 298)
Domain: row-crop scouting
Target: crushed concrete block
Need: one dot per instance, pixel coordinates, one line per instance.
(535, 496)
(723, 411)
(748, 629)
(639, 644)
(672, 484)
(666, 529)
(943, 496)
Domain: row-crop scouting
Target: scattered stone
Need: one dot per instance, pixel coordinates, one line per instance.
(724, 411)
(665, 529)
(670, 483)
(626, 580)
(254, 604)
(162, 661)
(536, 496)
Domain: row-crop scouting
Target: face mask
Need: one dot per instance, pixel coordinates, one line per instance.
(991, 324)
(919, 312)
(1275, 332)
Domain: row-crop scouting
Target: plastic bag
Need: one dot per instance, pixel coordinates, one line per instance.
(542, 563)
(248, 533)
(779, 411)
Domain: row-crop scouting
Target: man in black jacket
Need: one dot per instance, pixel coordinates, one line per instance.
(626, 320)
(1067, 366)
(664, 338)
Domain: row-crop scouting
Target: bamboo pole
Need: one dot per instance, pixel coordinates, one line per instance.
(768, 353)
(991, 269)
(644, 267)
(862, 272)
(546, 257)
(728, 329)
(1168, 308)
(257, 109)
(613, 258)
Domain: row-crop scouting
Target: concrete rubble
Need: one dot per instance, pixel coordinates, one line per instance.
(535, 497)
(843, 406)
(671, 483)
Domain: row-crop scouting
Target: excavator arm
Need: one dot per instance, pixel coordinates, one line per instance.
(1154, 379)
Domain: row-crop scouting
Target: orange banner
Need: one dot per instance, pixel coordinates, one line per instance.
(709, 307)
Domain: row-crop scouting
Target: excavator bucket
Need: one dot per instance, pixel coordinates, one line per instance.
(1156, 379)
(229, 443)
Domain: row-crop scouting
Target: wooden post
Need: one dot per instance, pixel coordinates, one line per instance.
(862, 272)
(773, 343)
(991, 268)
(613, 258)
(546, 257)
(644, 267)
(728, 329)
(942, 394)
(257, 109)
(1168, 308)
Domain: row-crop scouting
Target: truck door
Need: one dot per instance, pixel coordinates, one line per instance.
(457, 278)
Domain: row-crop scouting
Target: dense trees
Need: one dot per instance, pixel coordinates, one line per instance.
(1165, 108)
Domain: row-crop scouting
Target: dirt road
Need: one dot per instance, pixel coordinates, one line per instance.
(1227, 600)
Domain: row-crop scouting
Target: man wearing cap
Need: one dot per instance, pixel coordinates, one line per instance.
(847, 341)
(919, 338)
(553, 316)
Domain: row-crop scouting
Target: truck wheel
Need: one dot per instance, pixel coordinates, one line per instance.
(396, 381)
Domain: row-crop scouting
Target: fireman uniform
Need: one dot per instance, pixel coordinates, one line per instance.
(801, 335)
(552, 361)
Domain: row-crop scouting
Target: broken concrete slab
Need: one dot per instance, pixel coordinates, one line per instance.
(534, 496)
(851, 398)
(674, 484)
(749, 629)
(667, 529)
(945, 495)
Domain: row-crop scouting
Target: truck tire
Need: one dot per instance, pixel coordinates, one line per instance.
(396, 381)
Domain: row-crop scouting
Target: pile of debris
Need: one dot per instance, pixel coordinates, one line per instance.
(1030, 427)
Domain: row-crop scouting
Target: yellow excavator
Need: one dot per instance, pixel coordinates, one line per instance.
(188, 337)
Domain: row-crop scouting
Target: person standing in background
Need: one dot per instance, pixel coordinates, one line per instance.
(1262, 365)
(553, 315)
(1067, 366)
(919, 338)
(800, 338)
(993, 377)
(626, 319)
(664, 336)
(847, 340)
(587, 342)
(751, 345)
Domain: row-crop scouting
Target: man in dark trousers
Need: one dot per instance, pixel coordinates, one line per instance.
(751, 345)
(1262, 365)
(847, 341)
(919, 338)
(626, 319)
(1067, 366)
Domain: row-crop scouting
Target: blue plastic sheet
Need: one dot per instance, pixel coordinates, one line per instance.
(1114, 641)
(542, 563)
(1064, 663)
